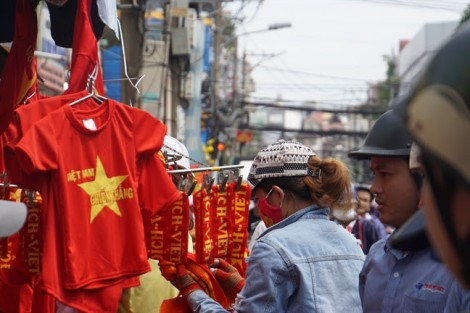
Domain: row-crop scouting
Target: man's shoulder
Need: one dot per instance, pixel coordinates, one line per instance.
(378, 248)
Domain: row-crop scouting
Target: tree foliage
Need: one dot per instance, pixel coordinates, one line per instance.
(465, 15)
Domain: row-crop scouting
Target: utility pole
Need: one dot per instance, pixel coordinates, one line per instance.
(235, 91)
(244, 74)
(217, 52)
(216, 72)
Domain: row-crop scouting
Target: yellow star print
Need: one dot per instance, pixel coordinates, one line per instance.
(16, 195)
(102, 191)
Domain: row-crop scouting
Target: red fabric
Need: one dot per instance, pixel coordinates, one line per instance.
(96, 242)
(12, 267)
(31, 232)
(167, 232)
(241, 201)
(25, 246)
(25, 117)
(15, 299)
(175, 305)
(42, 302)
(221, 221)
(203, 276)
(84, 52)
(203, 205)
(154, 174)
(229, 279)
(18, 78)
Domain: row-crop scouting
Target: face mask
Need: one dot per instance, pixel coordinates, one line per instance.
(270, 214)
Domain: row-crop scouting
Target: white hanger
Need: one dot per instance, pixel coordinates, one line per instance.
(125, 62)
(90, 87)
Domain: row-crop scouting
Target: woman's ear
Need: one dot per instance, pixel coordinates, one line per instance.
(277, 195)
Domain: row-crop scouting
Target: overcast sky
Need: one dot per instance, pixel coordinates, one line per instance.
(334, 47)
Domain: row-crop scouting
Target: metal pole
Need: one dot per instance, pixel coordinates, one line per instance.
(235, 91)
(217, 50)
(205, 169)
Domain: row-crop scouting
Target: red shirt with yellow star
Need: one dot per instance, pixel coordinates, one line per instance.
(92, 159)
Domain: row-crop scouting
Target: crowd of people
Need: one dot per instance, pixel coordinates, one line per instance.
(326, 244)
(306, 262)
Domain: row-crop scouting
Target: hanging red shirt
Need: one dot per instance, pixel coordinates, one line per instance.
(18, 78)
(92, 187)
(24, 117)
(84, 52)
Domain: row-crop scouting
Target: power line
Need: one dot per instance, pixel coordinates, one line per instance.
(333, 132)
(315, 108)
(313, 74)
(450, 6)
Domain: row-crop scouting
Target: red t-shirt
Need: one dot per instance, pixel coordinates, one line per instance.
(84, 52)
(26, 116)
(91, 192)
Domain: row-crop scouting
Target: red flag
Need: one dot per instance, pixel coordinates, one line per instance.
(19, 79)
(221, 221)
(203, 204)
(241, 201)
(84, 52)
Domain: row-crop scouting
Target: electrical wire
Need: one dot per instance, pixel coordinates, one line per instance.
(442, 5)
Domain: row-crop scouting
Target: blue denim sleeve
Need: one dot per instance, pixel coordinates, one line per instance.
(267, 278)
(268, 284)
(199, 301)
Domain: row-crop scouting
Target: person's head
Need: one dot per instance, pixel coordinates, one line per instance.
(287, 176)
(387, 146)
(364, 199)
(177, 157)
(344, 217)
(438, 118)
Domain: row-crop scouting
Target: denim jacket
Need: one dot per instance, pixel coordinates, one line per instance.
(305, 263)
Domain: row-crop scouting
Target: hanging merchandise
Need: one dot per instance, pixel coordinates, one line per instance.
(18, 85)
(84, 52)
(204, 278)
(62, 13)
(18, 78)
(239, 220)
(93, 169)
(57, 2)
(203, 205)
(21, 260)
(7, 20)
(167, 232)
(63, 21)
(93, 164)
(221, 215)
(25, 117)
(221, 220)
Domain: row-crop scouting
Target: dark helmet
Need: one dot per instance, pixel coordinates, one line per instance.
(438, 113)
(438, 118)
(387, 137)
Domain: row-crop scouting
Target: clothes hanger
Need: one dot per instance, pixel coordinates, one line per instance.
(125, 61)
(90, 87)
(223, 181)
